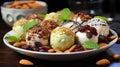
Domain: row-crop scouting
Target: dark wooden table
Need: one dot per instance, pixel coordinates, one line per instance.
(10, 58)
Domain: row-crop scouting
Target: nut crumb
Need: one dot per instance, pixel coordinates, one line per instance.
(25, 62)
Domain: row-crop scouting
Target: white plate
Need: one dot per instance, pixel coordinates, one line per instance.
(60, 56)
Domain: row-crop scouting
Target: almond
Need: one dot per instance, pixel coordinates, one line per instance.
(70, 49)
(102, 44)
(25, 62)
(23, 42)
(19, 44)
(51, 50)
(103, 62)
(58, 51)
(116, 56)
(112, 37)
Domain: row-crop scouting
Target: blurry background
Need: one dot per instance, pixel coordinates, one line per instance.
(110, 7)
(54, 5)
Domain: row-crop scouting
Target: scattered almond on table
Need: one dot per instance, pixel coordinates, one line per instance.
(25, 62)
(116, 56)
(103, 62)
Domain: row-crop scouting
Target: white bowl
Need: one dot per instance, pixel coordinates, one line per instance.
(10, 15)
(60, 56)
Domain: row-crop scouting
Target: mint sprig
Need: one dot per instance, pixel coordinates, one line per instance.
(12, 38)
(101, 17)
(90, 45)
(42, 15)
(29, 25)
(65, 14)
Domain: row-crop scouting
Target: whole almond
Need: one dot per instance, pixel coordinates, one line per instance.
(25, 62)
(102, 44)
(51, 50)
(116, 56)
(103, 62)
(112, 37)
(18, 44)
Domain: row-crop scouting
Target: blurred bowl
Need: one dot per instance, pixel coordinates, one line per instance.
(10, 15)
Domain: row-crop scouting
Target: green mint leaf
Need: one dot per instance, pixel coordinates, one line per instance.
(101, 17)
(90, 45)
(12, 38)
(29, 25)
(65, 14)
(42, 15)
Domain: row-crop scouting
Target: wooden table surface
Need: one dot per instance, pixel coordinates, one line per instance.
(10, 58)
